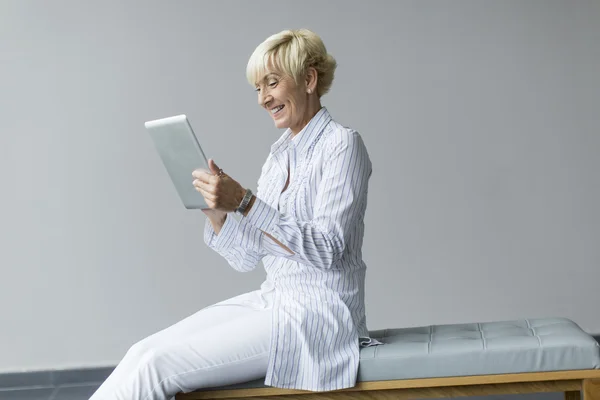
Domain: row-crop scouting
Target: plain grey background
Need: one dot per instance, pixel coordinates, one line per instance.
(481, 119)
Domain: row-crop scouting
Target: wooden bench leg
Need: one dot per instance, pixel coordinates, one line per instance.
(591, 389)
(573, 395)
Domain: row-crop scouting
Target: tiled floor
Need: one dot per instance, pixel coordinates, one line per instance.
(64, 392)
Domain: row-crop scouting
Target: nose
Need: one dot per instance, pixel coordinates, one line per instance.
(264, 99)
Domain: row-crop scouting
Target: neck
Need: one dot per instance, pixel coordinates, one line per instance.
(314, 105)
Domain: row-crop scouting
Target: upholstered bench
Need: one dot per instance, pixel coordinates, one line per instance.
(505, 357)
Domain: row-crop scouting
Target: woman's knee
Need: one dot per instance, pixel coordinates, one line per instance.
(148, 354)
(139, 349)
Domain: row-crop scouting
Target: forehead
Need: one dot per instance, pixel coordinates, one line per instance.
(267, 69)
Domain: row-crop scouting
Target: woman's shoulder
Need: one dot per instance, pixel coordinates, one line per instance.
(341, 136)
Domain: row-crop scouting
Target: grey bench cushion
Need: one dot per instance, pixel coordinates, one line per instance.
(530, 345)
(503, 347)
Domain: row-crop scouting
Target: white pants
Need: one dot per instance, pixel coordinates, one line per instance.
(222, 344)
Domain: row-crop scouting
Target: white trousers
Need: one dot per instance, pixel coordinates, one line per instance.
(222, 344)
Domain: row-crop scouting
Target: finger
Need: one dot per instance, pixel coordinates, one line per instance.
(209, 197)
(214, 168)
(207, 187)
(208, 182)
(198, 172)
(203, 175)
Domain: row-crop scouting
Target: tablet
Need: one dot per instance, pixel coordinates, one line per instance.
(181, 154)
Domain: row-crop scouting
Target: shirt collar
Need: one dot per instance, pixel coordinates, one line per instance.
(306, 136)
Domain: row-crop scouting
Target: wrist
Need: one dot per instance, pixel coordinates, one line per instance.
(240, 195)
(242, 208)
(218, 218)
(250, 204)
(217, 222)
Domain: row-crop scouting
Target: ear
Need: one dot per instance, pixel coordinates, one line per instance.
(311, 80)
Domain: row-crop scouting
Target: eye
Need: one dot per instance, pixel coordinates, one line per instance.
(273, 84)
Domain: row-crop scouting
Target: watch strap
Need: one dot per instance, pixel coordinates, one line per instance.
(244, 203)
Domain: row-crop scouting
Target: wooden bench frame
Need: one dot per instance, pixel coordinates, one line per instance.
(572, 383)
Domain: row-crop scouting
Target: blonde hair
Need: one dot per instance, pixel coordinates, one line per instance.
(293, 52)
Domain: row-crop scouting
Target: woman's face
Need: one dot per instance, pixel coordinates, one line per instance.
(286, 102)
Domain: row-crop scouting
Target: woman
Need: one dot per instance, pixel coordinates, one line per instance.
(305, 325)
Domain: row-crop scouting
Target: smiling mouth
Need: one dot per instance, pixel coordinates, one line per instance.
(276, 110)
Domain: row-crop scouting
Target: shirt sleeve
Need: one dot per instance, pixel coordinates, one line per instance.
(232, 243)
(339, 203)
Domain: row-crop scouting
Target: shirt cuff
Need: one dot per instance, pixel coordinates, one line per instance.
(209, 233)
(262, 216)
(226, 234)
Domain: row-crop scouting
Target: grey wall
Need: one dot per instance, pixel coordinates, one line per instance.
(481, 118)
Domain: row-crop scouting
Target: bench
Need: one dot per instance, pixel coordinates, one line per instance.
(504, 357)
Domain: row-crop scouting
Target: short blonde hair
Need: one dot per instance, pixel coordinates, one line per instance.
(293, 52)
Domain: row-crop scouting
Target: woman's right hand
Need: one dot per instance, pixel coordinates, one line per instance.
(213, 214)
(216, 217)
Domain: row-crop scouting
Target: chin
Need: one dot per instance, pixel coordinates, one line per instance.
(281, 124)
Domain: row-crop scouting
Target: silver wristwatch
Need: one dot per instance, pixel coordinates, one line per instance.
(242, 207)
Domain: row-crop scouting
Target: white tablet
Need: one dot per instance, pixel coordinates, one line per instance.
(181, 154)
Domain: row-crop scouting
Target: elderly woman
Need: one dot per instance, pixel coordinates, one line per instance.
(304, 327)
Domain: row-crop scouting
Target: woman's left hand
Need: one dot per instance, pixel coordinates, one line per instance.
(220, 191)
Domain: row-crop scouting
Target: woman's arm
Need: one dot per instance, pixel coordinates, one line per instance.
(223, 241)
(340, 199)
(216, 218)
(277, 242)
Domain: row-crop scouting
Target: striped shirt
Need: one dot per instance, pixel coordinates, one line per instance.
(319, 319)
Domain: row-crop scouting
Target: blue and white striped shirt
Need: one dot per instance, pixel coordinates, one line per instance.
(319, 312)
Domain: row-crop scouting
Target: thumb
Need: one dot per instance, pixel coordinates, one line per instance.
(214, 168)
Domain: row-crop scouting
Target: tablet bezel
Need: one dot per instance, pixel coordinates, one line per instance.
(180, 152)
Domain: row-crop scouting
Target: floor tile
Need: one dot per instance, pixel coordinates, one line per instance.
(26, 394)
(89, 375)
(25, 379)
(75, 392)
